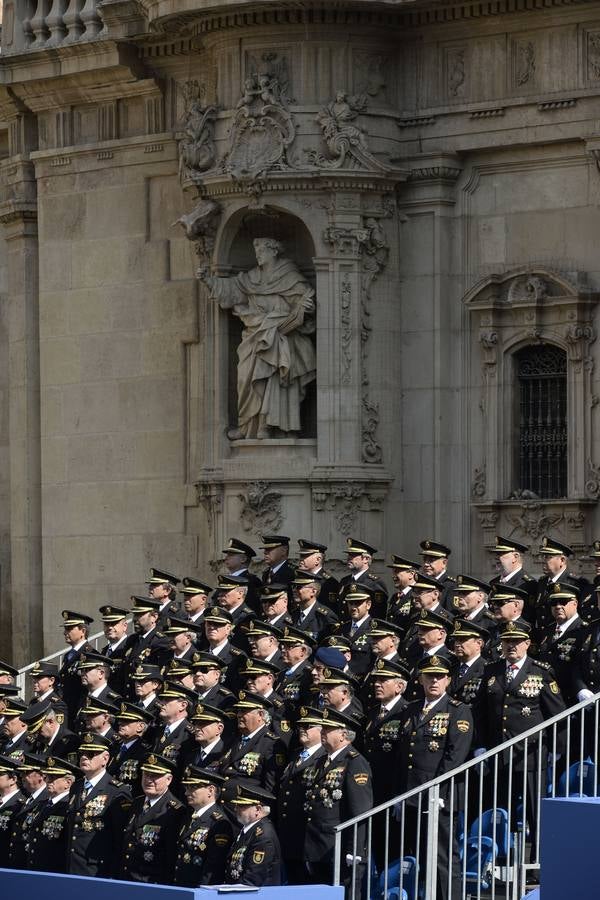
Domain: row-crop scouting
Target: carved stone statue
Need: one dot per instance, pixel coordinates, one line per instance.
(197, 151)
(276, 356)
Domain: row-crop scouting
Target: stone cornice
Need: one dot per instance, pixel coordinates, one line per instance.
(206, 16)
(32, 74)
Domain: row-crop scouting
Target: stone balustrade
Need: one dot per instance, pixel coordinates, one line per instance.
(41, 24)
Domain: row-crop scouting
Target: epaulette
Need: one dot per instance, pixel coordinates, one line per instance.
(528, 578)
(353, 753)
(258, 831)
(236, 652)
(272, 735)
(323, 610)
(454, 702)
(540, 664)
(159, 634)
(216, 815)
(374, 577)
(450, 578)
(116, 782)
(175, 803)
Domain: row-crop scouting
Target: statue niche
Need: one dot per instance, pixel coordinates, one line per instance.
(276, 358)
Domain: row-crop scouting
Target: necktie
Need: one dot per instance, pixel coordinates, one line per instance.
(354, 628)
(108, 652)
(87, 785)
(463, 669)
(511, 672)
(304, 754)
(146, 806)
(557, 633)
(244, 741)
(69, 655)
(382, 712)
(425, 710)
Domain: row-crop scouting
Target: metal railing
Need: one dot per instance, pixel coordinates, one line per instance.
(96, 640)
(474, 832)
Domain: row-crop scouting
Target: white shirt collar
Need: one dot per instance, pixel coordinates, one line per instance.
(247, 828)
(173, 726)
(391, 703)
(97, 691)
(305, 612)
(278, 566)
(433, 703)
(519, 664)
(253, 733)
(117, 643)
(435, 650)
(312, 750)
(60, 797)
(216, 650)
(79, 645)
(155, 800)
(333, 755)
(506, 578)
(360, 621)
(200, 812)
(148, 700)
(5, 800)
(565, 625)
(210, 747)
(96, 778)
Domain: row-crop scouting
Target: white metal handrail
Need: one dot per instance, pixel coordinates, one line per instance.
(93, 639)
(488, 784)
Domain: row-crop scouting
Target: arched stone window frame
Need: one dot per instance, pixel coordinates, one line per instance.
(507, 312)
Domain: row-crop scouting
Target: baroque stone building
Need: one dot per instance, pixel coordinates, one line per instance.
(431, 169)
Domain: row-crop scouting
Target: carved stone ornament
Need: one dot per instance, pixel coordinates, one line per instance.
(592, 483)
(346, 328)
(346, 500)
(260, 508)
(262, 130)
(210, 497)
(529, 288)
(524, 62)
(455, 65)
(478, 485)
(593, 55)
(200, 226)
(197, 152)
(345, 140)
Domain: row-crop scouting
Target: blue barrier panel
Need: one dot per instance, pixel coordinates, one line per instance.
(72, 887)
(569, 848)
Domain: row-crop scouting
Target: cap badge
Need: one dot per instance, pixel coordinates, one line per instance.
(123, 708)
(511, 626)
(50, 761)
(108, 610)
(544, 542)
(88, 739)
(325, 713)
(427, 545)
(303, 711)
(381, 664)
(152, 759)
(435, 661)
(65, 615)
(242, 695)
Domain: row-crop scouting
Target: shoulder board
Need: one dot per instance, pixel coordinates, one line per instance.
(258, 831)
(528, 578)
(454, 702)
(374, 577)
(235, 652)
(116, 782)
(224, 691)
(273, 736)
(215, 814)
(323, 610)
(327, 574)
(175, 803)
(540, 664)
(450, 578)
(159, 634)
(353, 753)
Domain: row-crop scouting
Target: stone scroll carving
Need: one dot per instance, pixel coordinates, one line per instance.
(276, 356)
(200, 226)
(262, 130)
(197, 152)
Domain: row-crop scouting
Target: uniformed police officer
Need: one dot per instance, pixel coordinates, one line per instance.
(309, 614)
(259, 755)
(295, 781)
(436, 738)
(562, 642)
(435, 565)
(98, 809)
(342, 788)
(311, 557)
(11, 804)
(520, 693)
(33, 786)
(76, 628)
(509, 565)
(132, 724)
(151, 832)
(47, 845)
(206, 835)
(360, 557)
(255, 855)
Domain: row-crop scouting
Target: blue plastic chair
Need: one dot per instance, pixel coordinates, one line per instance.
(408, 865)
(583, 773)
(480, 864)
(495, 829)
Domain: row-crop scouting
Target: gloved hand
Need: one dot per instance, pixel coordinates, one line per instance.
(478, 752)
(584, 694)
(352, 860)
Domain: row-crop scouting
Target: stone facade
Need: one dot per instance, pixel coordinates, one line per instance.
(432, 169)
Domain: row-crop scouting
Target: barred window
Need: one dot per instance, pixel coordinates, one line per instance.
(542, 420)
